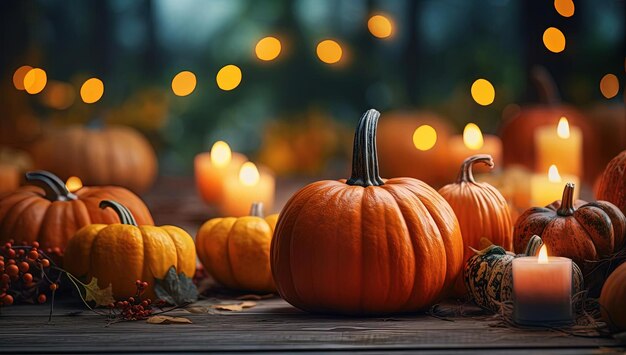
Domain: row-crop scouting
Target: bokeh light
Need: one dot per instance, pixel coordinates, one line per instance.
(609, 86)
(268, 48)
(249, 174)
(329, 51)
(483, 92)
(380, 26)
(565, 8)
(229, 77)
(554, 40)
(424, 137)
(74, 183)
(18, 76)
(221, 154)
(184, 83)
(92, 90)
(35, 81)
(58, 95)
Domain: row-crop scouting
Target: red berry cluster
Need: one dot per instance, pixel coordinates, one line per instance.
(24, 274)
(134, 308)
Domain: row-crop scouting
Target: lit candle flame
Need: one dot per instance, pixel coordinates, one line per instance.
(73, 183)
(220, 154)
(553, 174)
(562, 129)
(249, 174)
(472, 137)
(543, 255)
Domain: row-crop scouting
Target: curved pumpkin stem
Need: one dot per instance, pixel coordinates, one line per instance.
(122, 212)
(466, 175)
(53, 186)
(364, 152)
(256, 209)
(533, 246)
(546, 87)
(567, 201)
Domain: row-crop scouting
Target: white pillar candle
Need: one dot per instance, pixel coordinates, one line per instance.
(542, 289)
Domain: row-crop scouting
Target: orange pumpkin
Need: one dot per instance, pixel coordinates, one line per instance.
(115, 155)
(481, 210)
(236, 251)
(612, 299)
(519, 128)
(366, 245)
(612, 184)
(121, 252)
(400, 157)
(580, 231)
(50, 214)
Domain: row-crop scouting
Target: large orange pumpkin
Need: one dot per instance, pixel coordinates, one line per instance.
(519, 128)
(114, 155)
(366, 245)
(612, 184)
(50, 214)
(580, 231)
(400, 157)
(612, 299)
(481, 210)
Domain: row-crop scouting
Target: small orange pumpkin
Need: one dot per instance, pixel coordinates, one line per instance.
(236, 251)
(580, 231)
(117, 254)
(612, 299)
(612, 184)
(481, 210)
(50, 214)
(366, 245)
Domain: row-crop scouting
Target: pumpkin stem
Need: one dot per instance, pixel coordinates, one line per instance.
(54, 187)
(122, 212)
(256, 209)
(364, 152)
(533, 246)
(546, 88)
(567, 201)
(466, 175)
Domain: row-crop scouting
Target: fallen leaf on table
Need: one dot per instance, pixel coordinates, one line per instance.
(235, 307)
(252, 297)
(102, 296)
(197, 309)
(175, 288)
(168, 320)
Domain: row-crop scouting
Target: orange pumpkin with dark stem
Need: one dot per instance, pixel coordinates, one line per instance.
(612, 184)
(519, 128)
(50, 214)
(580, 231)
(116, 155)
(366, 245)
(612, 299)
(400, 157)
(481, 210)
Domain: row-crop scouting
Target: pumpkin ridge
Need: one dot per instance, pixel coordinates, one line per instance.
(9, 221)
(593, 228)
(416, 233)
(227, 253)
(390, 189)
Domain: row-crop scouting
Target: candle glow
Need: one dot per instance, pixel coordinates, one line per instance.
(543, 255)
(221, 154)
(249, 174)
(562, 129)
(553, 174)
(472, 137)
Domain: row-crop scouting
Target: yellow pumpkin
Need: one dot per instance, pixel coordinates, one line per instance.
(120, 253)
(236, 251)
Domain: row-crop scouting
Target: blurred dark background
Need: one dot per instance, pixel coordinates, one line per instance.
(437, 49)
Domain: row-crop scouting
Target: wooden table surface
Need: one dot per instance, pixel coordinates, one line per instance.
(272, 325)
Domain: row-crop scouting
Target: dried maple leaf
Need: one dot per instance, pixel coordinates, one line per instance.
(101, 296)
(168, 320)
